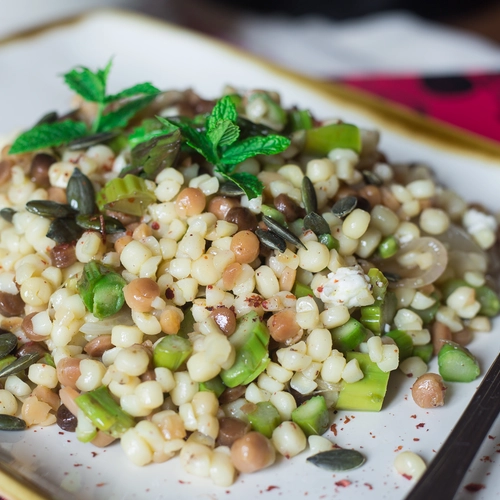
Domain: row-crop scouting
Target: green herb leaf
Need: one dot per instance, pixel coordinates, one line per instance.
(224, 134)
(252, 146)
(121, 117)
(91, 86)
(199, 142)
(245, 181)
(223, 110)
(48, 135)
(168, 125)
(141, 88)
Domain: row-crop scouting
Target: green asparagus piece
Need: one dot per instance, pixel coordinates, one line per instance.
(329, 241)
(490, 303)
(403, 341)
(301, 290)
(457, 364)
(428, 314)
(312, 416)
(379, 314)
(214, 385)
(388, 247)
(264, 418)
(368, 393)
(322, 140)
(172, 351)
(424, 352)
(348, 336)
(300, 119)
(378, 282)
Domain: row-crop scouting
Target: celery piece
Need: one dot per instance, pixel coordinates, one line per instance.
(108, 295)
(300, 119)
(104, 412)
(379, 314)
(490, 303)
(388, 247)
(378, 282)
(329, 241)
(301, 290)
(250, 341)
(274, 214)
(403, 341)
(368, 393)
(92, 273)
(322, 140)
(171, 352)
(424, 352)
(348, 336)
(129, 195)
(312, 416)
(428, 314)
(457, 364)
(264, 418)
(214, 385)
(449, 286)
(85, 429)
(275, 113)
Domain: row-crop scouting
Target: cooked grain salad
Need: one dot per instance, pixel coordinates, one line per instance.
(211, 278)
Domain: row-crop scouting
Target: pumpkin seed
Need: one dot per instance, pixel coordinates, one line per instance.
(392, 277)
(91, 140)
(64, 230)
(274, 214)
(8, 342)
(6, 361)
(271, 240)
(316, 224)
(7, 214)
(49, 209)
(282, 232)
(337, 459)
(10, 423)
(309, 198)
(371, 178)
(49, 117)
(80, 193)
(344, 206)
(110, 225)
(20, 364)
(230, 189)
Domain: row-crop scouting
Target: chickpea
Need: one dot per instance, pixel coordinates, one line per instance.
(190, 201)
(283, 326)
(170, 321)
(68, 371)
(142, 231)
(122, 242)
(220, 206)
(428, 390)
(252, 452)
(245, 246)
(230, 430)
(230, 275)
(225, 319)
(57, 194)
(440, 333)
(140, 293)
(98, 346)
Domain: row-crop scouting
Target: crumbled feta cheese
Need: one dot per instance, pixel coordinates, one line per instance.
(348, 286)
(475, 221)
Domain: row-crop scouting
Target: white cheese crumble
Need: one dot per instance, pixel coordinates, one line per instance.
(348, 286)
(476, 221)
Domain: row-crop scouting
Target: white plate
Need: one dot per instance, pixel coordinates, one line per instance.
(172, 58)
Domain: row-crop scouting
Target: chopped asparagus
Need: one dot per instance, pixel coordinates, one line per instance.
(214, 385)
(301, 290)
(172, 351)
(403, 341)
(265, 418)
(321, 140)
(312, 416)
(490, 303)
(348, 336)
(379, 314)
(388, 247)
(457, 364)
(424, 352)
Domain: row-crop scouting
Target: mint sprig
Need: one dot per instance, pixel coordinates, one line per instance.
(219, 145)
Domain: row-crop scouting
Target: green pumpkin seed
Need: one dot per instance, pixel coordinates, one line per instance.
(392, 277)
(91, 140)
(20, 364)
(49, 117)
(10, 423)
(282, 232)
(309, 198)
(7, 214)
(337, 459)
(371, 178)
(100, 222)
(344, 206)
(271, 240)
(80, 193)
(316, 224)
(8, 342)
(6, 361)
(230, 189)
(64, 231)
(49, 209)
(274, 214)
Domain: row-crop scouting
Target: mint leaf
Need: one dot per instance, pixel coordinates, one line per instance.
(104, 73)
(168, 126)
(252, 146)
(224, 109)
(121, 117)
(224, 133)
(140, 135)
(199, 142)
(247, 182)
(48, 135)
(91, 86)
(141, 88)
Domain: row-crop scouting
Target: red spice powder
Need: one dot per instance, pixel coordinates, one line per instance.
(474, 487)
(343, 483)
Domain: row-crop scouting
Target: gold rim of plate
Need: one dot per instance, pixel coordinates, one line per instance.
(396, 118)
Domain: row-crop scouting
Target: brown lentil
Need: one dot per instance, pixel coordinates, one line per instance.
(140, 293)
(243, 218)
(230, 275)
(63, 255)
(32, 348)
(388, 199)
(68, 371)
(39, 169)
(122, 242)
(11, 305)
(190, 201)
(463, 337)
(232, 394)
(27, 326)
(283, 326)
(252, 452)
(98, 346)
(372, 194)
(5, 171)
(220, 206)
(57, 194)
(225, 319)
(245, 246)
(428, 390)
(231, 429)
(288, 207)
(440, 333)
(170, 322)
(142, 231)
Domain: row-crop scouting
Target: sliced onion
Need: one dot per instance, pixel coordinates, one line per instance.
(415, 277)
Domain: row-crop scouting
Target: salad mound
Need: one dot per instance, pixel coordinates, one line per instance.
(211, 278)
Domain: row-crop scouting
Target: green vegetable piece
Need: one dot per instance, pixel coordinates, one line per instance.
(403, 341)
(102, 223)
(85, 430)
(378, 282)
(457, 364)
(108, 295)
(274, 214)
(214, 385)
(368, 393)
(187, 324)
(104, 412)
(428, 314)
(275, 113)
(80, 193)
(337, 459)
(388, 247)
(10, 423)
(300, 119)
(8, 342)
(171, 352)
(450, 286)
(424, 352)
(379, 314)
(301, 290)
(47, 359)
(129, 195)
(265, 418)
(312, 416)
(322, 140)
(250, 341)
(490, 303)
(329, 241)
(349, 335)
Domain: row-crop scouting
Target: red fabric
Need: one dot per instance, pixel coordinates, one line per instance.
(471, 102)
